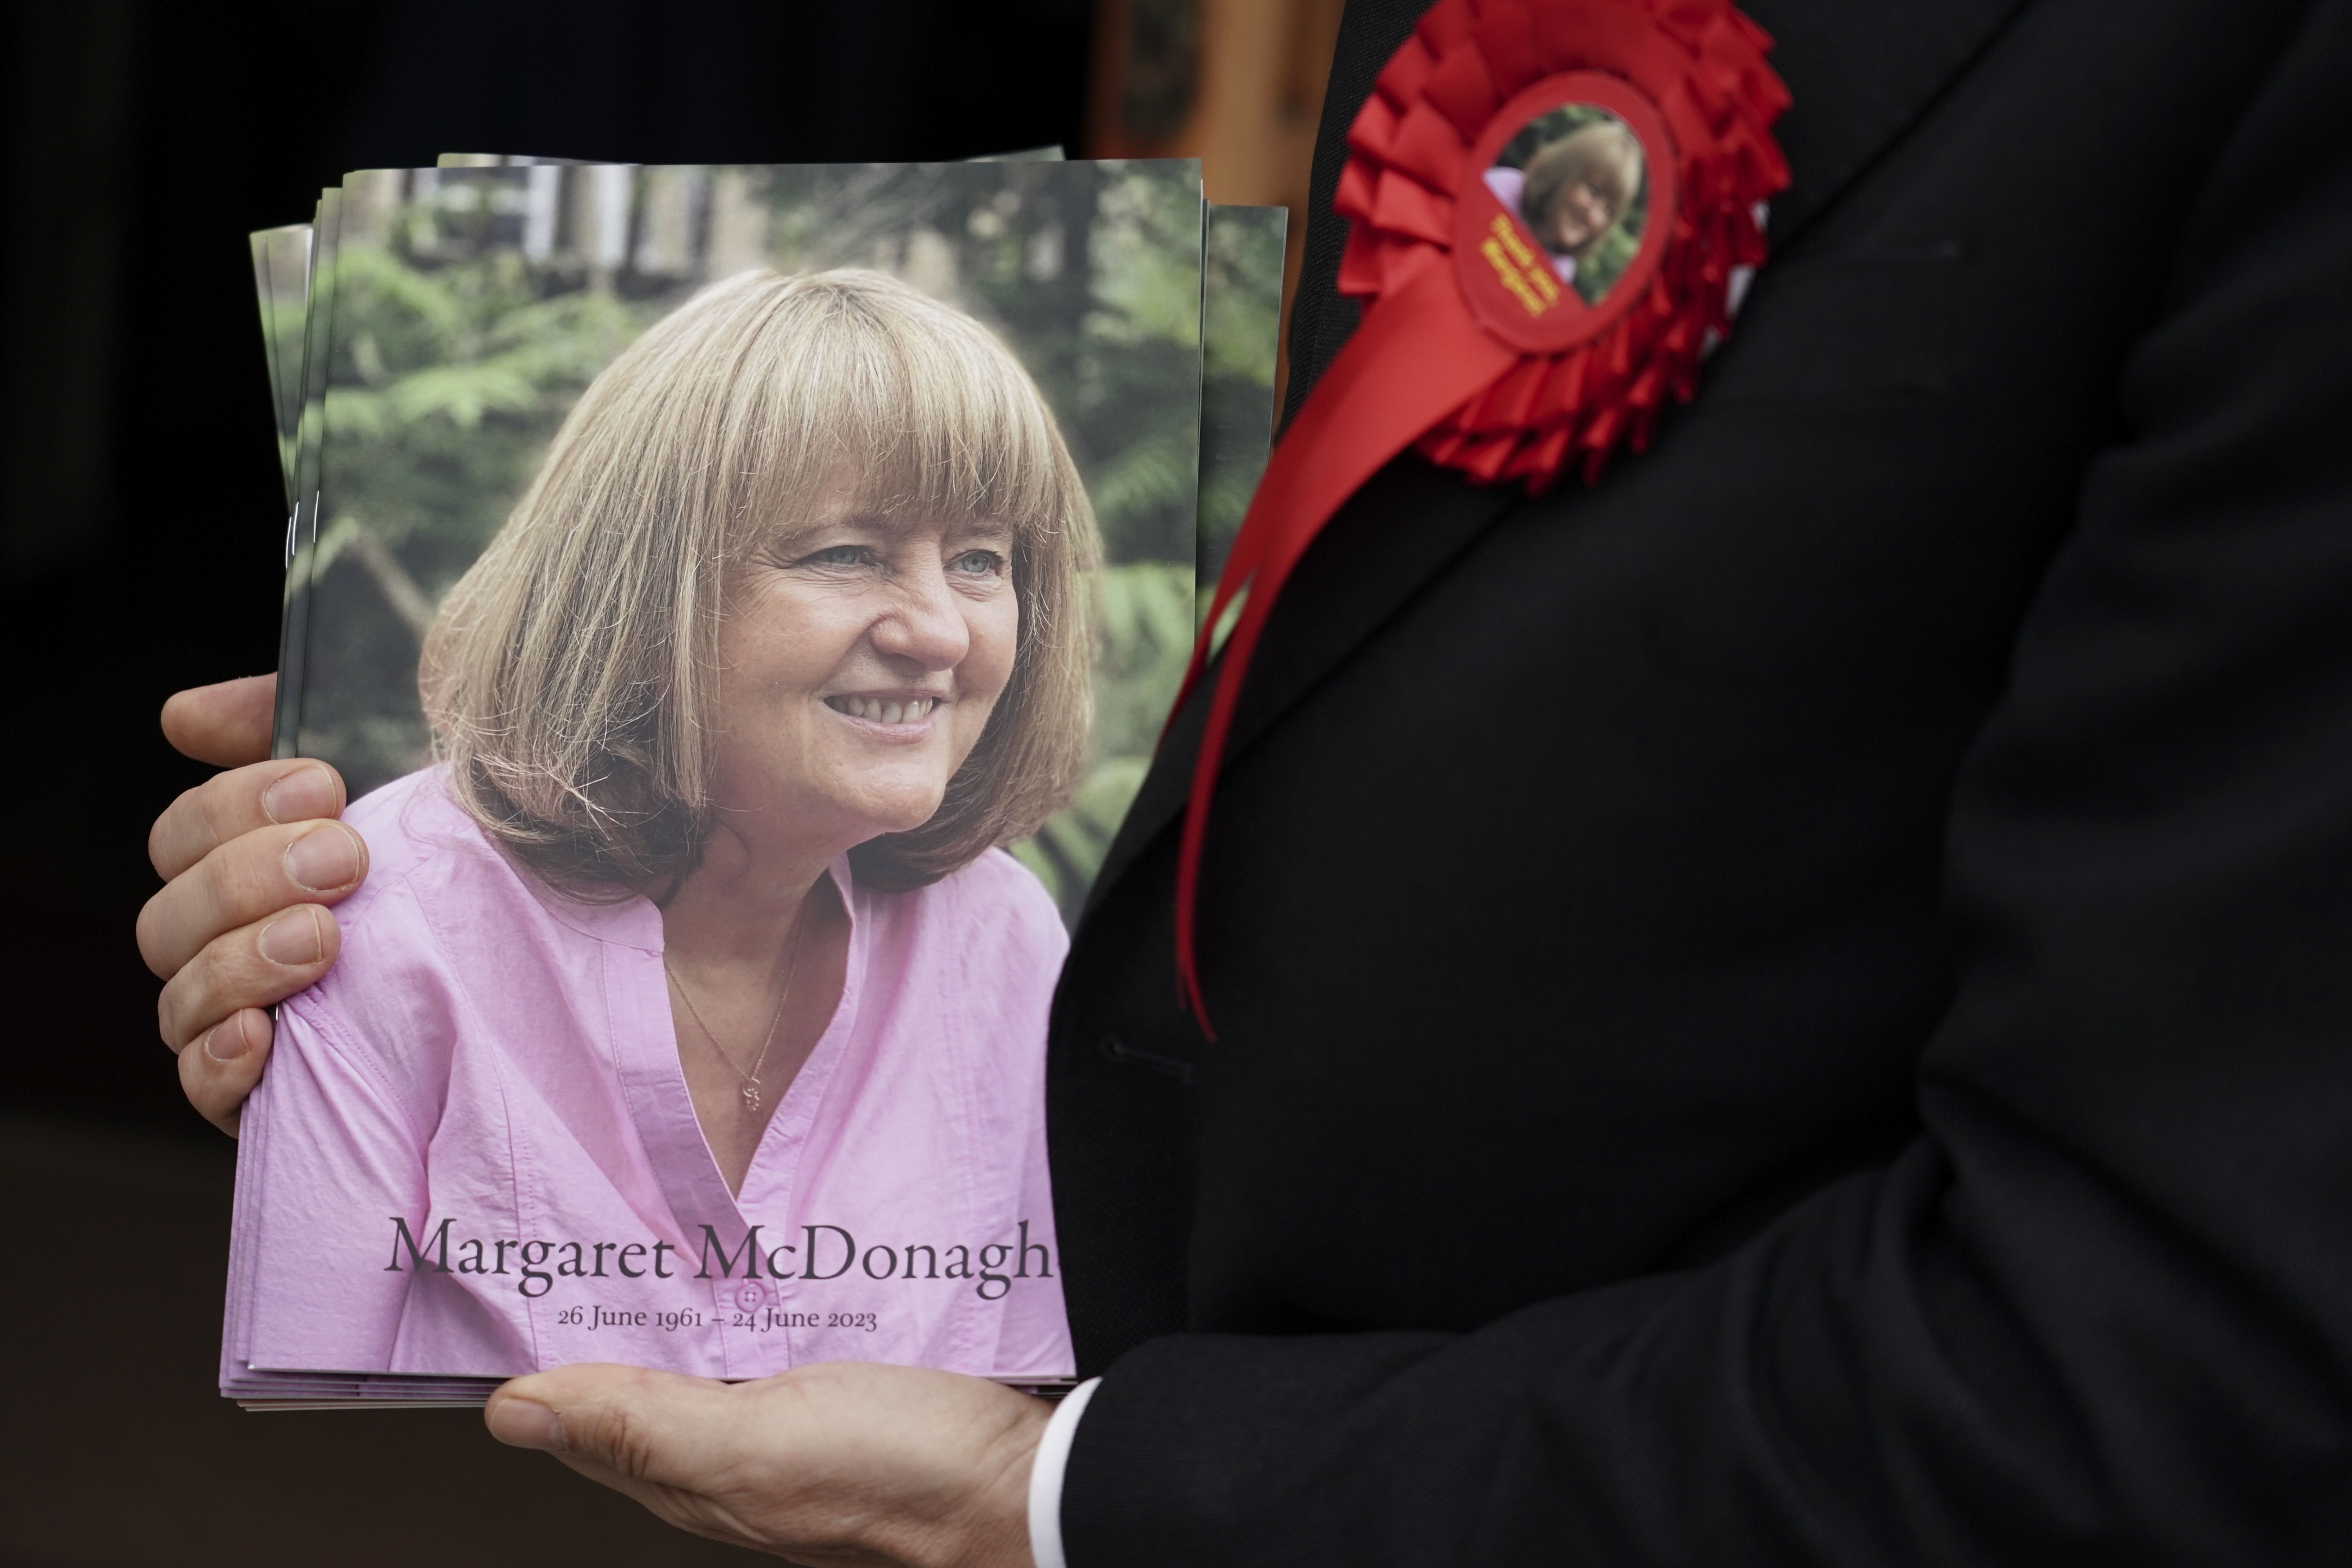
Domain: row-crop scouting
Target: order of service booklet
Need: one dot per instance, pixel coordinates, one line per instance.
(741, 602)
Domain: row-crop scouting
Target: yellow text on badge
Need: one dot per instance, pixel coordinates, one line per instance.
(1518, 269)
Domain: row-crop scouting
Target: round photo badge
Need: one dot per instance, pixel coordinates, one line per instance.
(1563, 211)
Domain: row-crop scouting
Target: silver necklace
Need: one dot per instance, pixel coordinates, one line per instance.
(751, 1080)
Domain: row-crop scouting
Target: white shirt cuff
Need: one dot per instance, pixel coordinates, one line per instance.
(1045, 1476)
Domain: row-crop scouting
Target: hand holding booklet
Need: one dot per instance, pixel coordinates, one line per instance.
(742, 602)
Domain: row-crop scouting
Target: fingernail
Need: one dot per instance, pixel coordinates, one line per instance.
(521, 1423)
(292, 939)
(227, 1041)
(299, 796)
(323, 859)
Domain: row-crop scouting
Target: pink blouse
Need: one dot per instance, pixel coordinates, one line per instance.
(473, 1153)
(1507, 185)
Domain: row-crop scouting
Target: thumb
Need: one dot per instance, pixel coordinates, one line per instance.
(641, 1425)
(226, 724)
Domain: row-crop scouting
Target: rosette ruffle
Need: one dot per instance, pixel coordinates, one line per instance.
(1702, 64)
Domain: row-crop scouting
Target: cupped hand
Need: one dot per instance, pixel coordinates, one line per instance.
(250, 857)
(844, 1463)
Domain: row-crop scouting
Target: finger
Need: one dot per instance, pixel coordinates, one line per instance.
(247, 968)
(252, 876)
(226, 724)
(218, 1070)
(228, 805)
(649, 1425)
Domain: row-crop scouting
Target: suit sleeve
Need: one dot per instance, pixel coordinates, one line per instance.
(2101, 1309)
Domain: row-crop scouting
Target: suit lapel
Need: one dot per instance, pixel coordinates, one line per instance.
(1390, 537)
(1860, 76)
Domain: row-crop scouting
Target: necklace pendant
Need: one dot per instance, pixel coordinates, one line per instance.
(750, 1097)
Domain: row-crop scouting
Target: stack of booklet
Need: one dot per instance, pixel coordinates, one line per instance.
(639, 516)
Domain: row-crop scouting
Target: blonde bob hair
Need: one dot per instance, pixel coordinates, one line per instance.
(571, 675)
(1603, 155)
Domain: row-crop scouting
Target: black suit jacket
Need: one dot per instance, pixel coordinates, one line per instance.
(1794, 1007)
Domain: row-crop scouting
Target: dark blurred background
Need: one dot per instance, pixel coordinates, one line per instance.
(140, 521)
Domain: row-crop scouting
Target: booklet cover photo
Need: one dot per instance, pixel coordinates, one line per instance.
(741, 602)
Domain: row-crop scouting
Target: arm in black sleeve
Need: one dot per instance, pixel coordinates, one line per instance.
(2101, 1310)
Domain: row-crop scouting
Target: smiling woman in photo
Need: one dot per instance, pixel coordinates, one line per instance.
(1575, 190)
(692, 1014)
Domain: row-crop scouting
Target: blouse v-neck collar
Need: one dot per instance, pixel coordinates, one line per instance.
(652, 1079)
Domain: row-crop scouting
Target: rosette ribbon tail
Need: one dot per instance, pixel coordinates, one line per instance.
(1418, 357)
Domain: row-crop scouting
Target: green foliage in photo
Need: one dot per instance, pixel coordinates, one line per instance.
(1240, 323)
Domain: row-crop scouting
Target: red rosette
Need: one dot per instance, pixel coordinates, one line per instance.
(1688, 78)
(1550, 203)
